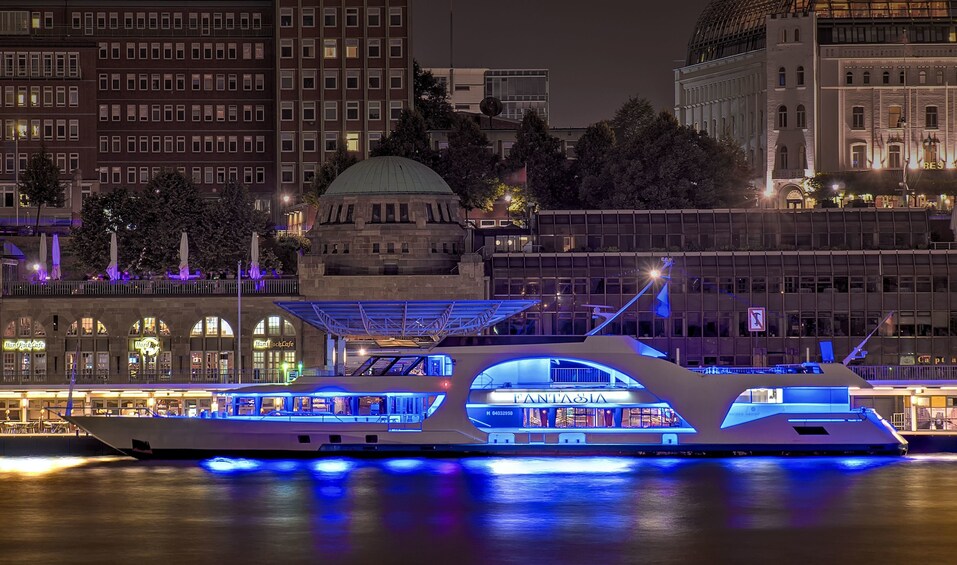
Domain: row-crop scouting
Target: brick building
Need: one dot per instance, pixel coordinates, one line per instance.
(254, 90)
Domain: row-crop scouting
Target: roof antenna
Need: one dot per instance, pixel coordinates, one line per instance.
(664, 273)
(858, 351)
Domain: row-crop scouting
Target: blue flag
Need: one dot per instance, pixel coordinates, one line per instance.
(662, 304)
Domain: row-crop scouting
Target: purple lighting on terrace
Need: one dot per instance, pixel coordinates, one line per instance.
(183, 257)
(254, 272)
(112, 270)
(55, 271)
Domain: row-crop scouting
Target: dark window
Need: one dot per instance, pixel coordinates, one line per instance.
(800, 76)
(390, 213)
(811, 431)
(782, 77)
(403, 212)
(349, 212)
(376, 213)
(335, 438)
(430, 213)
(886, 78)
(304, 439)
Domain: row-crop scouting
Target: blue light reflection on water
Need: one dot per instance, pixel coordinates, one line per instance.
(487, 510)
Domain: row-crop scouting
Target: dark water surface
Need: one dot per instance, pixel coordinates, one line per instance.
(530, 511)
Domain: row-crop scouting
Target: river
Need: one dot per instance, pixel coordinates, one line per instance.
(530, 511)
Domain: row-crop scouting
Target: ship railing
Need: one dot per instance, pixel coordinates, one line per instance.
(389, 419)
(581, 375)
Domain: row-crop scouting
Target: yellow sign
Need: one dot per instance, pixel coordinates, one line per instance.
(148, 346)
(274, 344)
(934, 165)
(24, 345)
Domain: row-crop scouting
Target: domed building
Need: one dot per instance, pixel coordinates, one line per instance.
(857, 92)
(384, 219)
(388, 216)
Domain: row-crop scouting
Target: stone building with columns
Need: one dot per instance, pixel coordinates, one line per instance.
(856, 94)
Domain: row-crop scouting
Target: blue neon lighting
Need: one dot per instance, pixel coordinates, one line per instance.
(228, 465)
(333, 466)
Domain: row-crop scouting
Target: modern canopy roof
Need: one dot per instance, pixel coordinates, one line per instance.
(388, 175)
(413, 318)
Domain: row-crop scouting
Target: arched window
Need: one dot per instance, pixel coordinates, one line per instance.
(782, 157)
(901, 77)
(886, 77)
(867, 77)
(849, 78)
(922, 77)
(797, 35)
(782, 77)
(274, 349)
(801, 116)
(24, 351)
(211, 350)
(94, 361)
(782, 117)
(800, 76)
(783, 36)
(148, 355)
(940, 77)
(802, 157)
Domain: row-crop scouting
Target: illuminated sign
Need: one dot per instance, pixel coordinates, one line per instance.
(933, 165)
(148, 346)
(274, 344)
(560, 397)
(24, 345)
(757, 320)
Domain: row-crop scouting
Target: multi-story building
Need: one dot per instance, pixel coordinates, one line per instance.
(254, 90)
(857, 92)
(519, 90)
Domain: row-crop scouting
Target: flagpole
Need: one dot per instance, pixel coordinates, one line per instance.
(239, 321)
(665, 274)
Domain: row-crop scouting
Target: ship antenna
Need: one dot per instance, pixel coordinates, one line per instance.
(664, 273)
(858, 351)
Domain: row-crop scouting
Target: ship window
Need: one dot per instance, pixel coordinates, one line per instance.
(811, 430)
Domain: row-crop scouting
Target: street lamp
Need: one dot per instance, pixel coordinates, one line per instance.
(285, 372)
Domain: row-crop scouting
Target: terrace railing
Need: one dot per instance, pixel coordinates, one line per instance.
(912, 373)
(153, 287)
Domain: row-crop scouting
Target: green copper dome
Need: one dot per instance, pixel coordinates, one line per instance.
(388, 175)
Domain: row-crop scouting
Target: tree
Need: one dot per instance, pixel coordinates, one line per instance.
(332, 168)
(468, 165)
(41, 184)
(592, 151)
(668, 166)
(632, 117)
(102, 214)
(410, 139)
(169, 206)
(548, 179)
(431, 99)
(224, 236)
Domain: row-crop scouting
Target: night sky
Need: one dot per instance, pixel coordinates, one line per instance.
(599, 52)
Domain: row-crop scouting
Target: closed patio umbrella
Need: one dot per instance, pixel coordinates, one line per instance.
(55, 271)
(183, 257)
(254, 258)
(112, 270)
(42, 265)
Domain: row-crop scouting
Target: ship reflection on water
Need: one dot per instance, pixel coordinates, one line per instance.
(482, 510)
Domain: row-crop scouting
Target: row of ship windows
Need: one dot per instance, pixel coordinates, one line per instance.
(36, 97)
(390, 247)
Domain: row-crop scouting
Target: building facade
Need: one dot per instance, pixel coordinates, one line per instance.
(258, 91)
(519, 90)
(857, 94)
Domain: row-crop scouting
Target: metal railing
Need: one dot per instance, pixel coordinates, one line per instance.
(250, 376)
(156, 287)
(578, 375)
(917, 373)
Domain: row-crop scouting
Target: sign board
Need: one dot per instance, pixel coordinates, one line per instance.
(260, 344)
(147, 346)
(757, 320)
(24, 345)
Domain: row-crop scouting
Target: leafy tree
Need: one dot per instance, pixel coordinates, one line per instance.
(102, 214)
(668, 165)
(332, 168)
(224, 237)
(431, 99)
(632, 117)
(549, 181)
(593, 150)
(410, 139)
(169, 206)
(41, 183)
(468, 165)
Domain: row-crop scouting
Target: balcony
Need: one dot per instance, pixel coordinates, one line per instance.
(152, 287)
